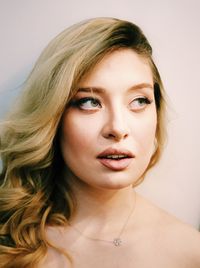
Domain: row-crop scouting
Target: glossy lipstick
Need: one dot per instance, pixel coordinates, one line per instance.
(115, 159)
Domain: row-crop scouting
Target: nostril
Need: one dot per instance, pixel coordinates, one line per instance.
(115, 130)
(118, 135)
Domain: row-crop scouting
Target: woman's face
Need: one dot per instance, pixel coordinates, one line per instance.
(108, 130)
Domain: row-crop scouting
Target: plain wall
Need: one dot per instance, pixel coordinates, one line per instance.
(172, 27)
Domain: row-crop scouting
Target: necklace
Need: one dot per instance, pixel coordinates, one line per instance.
(116, 241)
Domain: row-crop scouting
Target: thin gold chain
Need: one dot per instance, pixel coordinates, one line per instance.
(116, 241)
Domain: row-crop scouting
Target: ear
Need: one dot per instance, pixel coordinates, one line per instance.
(155, 146)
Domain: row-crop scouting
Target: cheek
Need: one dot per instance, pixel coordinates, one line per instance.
(77, 134)
(145, 134)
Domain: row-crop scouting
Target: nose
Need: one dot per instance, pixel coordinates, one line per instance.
(116, 126)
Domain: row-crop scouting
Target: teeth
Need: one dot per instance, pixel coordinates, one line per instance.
(116, 156)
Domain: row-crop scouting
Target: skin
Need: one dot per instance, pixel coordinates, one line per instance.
(105, 197)
(118, 121)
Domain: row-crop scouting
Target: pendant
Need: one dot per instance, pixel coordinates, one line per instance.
(117, 242)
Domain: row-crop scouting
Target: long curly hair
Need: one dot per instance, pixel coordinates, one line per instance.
(33, 192)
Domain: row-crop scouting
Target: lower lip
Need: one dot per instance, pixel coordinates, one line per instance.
(116, 165)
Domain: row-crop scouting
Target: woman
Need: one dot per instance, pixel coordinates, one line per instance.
(89, 125)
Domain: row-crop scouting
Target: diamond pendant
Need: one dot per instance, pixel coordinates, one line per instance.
(117, 242)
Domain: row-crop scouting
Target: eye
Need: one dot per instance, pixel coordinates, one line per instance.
(87, 103)
(139, 103)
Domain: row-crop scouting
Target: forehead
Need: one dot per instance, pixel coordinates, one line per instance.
(123, 68)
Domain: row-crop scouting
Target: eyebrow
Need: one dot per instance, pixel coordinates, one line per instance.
(101, 90)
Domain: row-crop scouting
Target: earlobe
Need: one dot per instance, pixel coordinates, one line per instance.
(155, 146)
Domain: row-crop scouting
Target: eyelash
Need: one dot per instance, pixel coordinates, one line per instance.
(142, 100)
(79, 102)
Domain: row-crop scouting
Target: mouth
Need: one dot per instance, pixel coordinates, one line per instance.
(115, 159)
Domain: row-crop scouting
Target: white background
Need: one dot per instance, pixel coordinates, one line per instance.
(173, 29)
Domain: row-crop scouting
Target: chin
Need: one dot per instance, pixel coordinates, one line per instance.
(115, 184)
(116, 187)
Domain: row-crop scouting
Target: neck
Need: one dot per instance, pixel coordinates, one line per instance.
(101, 210)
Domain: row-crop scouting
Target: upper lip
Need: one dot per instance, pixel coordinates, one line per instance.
(114, 151)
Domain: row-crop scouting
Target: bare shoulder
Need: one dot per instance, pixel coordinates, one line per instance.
(56, 258)
(177, 238)
(53, 260)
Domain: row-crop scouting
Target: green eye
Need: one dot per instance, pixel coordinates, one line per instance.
(139, 103)
(86, 103)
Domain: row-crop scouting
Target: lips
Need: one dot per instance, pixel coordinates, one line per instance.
(115, 159)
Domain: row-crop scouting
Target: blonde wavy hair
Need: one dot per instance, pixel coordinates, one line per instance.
(33, 192)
